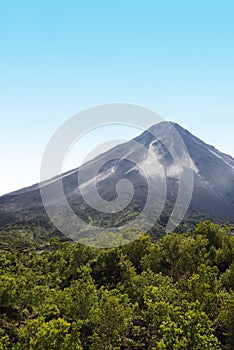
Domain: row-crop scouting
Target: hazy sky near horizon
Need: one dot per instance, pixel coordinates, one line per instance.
(59, 57)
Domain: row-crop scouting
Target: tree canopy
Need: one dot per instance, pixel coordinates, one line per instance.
(175, 293)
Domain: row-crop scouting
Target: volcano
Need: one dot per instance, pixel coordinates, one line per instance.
(164, 166)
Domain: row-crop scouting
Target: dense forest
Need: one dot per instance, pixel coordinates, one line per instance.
(174, 293)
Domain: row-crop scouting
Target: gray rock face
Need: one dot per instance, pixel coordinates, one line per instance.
(147, 158)
(213, 191)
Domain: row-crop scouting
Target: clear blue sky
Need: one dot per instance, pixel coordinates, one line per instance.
(58, 57)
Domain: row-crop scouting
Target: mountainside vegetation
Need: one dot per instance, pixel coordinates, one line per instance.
(174, 293)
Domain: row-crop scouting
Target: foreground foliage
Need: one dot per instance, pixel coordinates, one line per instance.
(176, 293)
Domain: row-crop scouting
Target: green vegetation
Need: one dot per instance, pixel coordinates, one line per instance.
(175, 293)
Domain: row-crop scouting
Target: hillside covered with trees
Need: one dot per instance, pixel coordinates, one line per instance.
(172, 294)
